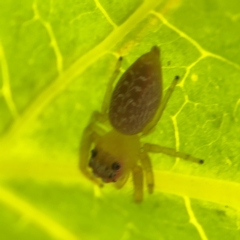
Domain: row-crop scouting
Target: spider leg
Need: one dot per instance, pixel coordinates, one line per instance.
(137, 174)
(90, 135)
(161, 108)
(109, 90)
(171, 152)
(147, 166)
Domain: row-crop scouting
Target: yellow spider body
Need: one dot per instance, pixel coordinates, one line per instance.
(115, 147)
(131, 109)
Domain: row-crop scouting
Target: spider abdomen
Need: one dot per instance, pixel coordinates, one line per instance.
(137, 95)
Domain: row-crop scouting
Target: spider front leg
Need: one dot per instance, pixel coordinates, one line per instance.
(93, 132)
(90, 135)
(108, 93)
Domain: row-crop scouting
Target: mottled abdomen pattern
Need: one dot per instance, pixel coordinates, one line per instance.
(137, 95)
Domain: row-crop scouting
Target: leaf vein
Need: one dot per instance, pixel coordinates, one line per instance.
(105, 14)
(193, 219)
(6, 88)
(48, 224)
(203, 52)
(53, 41)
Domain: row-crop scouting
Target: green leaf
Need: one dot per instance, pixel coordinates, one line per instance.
(56, 58)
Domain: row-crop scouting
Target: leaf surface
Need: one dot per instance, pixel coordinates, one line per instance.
(56, 58)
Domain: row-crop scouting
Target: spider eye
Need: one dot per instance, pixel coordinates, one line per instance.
(94, 153)
(116, 166)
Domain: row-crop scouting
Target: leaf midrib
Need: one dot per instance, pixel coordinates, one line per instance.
(223, 192)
